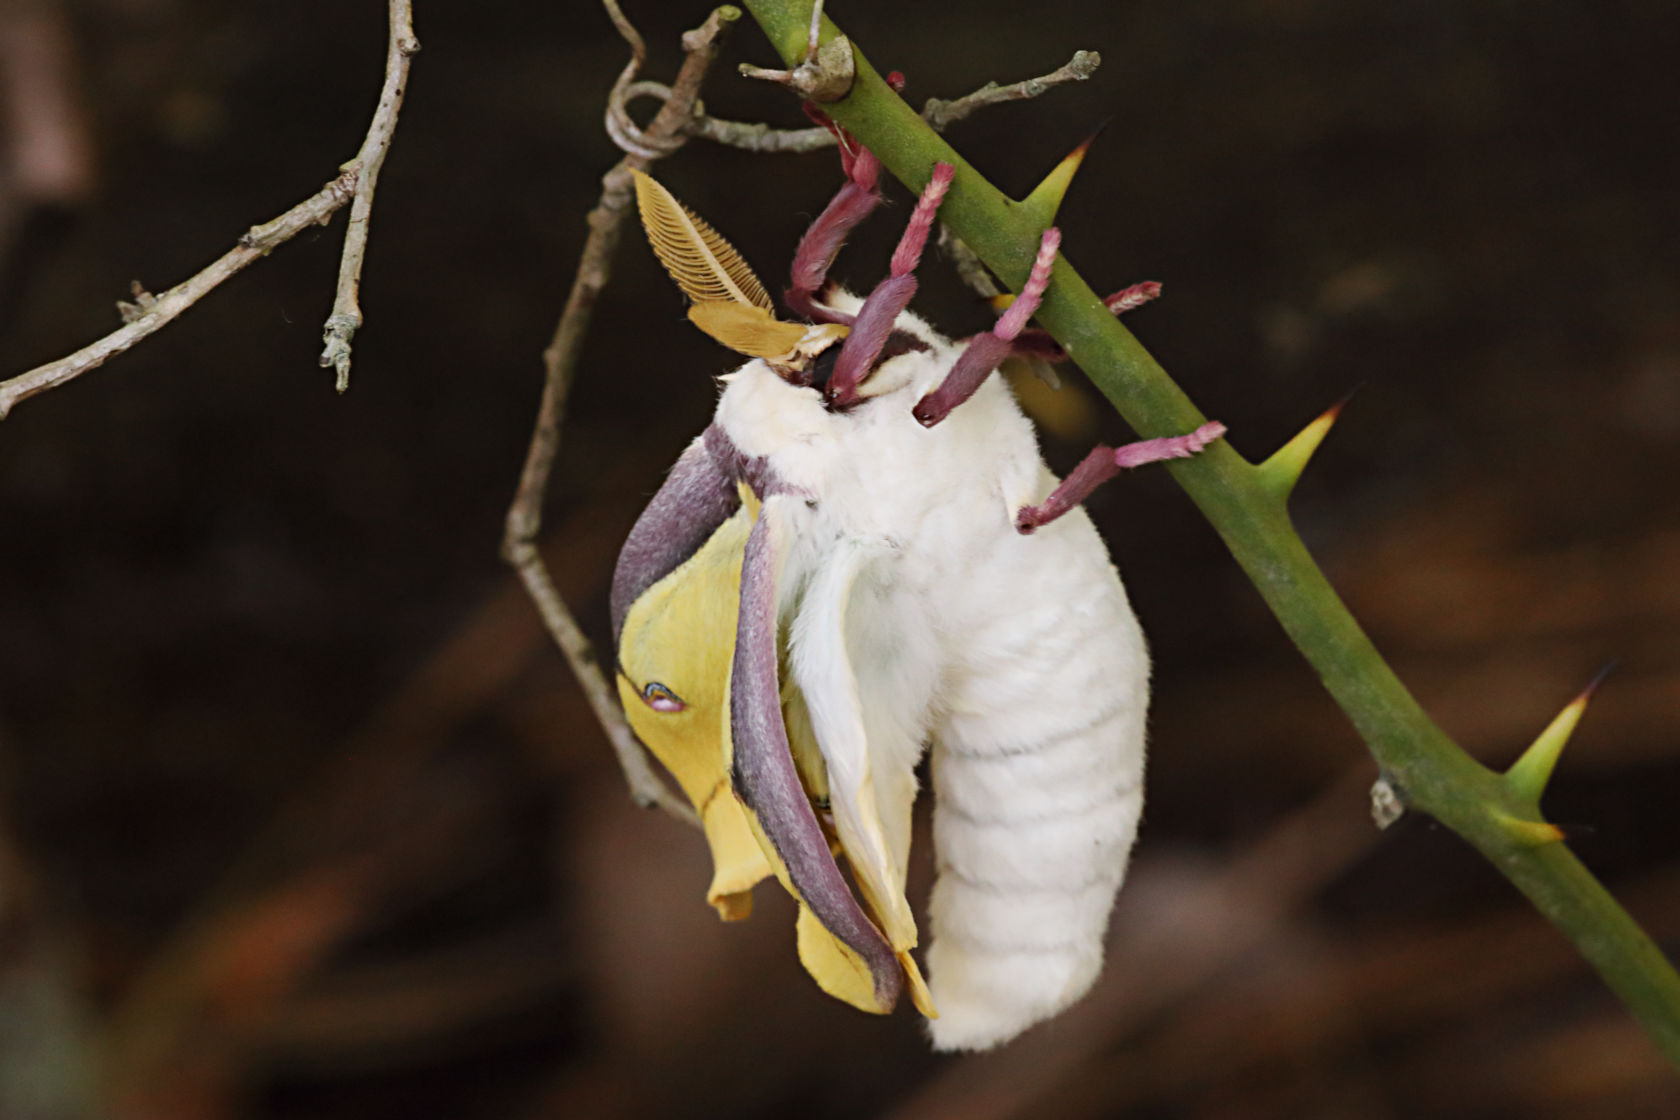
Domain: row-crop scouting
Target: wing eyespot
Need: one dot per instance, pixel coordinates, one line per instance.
(661, 699)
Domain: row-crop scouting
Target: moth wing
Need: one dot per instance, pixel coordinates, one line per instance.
(823, 664)
(839, 945)
(696, 499)
(675, 597)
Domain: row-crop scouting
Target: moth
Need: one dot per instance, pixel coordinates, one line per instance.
(862, 560)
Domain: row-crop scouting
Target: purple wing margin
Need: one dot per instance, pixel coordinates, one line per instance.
(697, 497)
(764, 773)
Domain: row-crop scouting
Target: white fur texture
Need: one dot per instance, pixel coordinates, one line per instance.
(1016, 657)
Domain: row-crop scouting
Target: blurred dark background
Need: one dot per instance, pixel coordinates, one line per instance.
(303, 817)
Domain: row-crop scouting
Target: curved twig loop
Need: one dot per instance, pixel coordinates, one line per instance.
(623, 130)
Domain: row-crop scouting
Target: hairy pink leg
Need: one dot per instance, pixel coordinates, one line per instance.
(1104, 462)
(822, 241)
(891, 296)
(1135, 296)
(1034, 343)
(985, 351)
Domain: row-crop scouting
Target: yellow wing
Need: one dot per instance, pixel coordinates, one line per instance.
(677, 645)
(679, 637)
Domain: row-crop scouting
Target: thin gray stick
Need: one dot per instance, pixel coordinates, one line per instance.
(760, 137)
(346, 315)
(938, 113)
(524, 516)
(354, 186)
(941, 114)
(148, 313)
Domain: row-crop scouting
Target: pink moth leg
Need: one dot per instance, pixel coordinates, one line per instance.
(1104, 462)
(891, 296)
(822, 241)
(1035, 343)
(985, 351)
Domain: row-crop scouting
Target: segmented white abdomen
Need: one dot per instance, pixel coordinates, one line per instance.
(918, 614)
(1037, 769)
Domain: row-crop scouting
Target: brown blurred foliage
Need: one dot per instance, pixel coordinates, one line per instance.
(302, 817)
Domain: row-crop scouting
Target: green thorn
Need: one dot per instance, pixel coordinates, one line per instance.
(1528, 776)
(1046, 198)
(1531, 833)
(1283, 470)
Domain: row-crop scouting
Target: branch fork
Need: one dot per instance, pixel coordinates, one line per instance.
(824, 75)
(354, 185)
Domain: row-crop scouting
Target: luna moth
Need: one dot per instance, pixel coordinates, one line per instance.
(863, 560)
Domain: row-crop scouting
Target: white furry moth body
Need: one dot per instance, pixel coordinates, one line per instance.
(839, 577)
(913, 604)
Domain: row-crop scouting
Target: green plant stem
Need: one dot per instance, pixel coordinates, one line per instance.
(1431, 773)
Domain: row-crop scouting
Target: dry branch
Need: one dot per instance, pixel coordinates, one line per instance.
(354, 185)
(759, 137)
(560, 360)
(346, 315)
(941, 114)
(148, 313)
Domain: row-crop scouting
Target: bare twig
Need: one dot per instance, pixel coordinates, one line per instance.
(646, 788)
(355, 182)
(524, 516)
(650, 145)
(759, 137)
(941, 114)
(346, 315)
(148, 313)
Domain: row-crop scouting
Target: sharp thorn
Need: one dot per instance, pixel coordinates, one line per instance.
(1528, 776)
(1283, 470)
(1599, 678)
(1046, 198)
